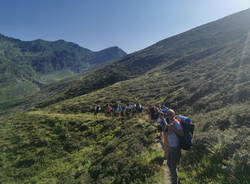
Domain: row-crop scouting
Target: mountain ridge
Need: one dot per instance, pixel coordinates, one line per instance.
(29, 65)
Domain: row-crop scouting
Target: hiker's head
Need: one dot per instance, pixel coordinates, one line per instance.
(171, 114)
(161, 115)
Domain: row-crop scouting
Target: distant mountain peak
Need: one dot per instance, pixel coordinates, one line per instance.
(31, 61)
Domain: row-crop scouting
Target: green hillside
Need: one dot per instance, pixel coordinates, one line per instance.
(26, 66)
(56, 148)
(178, 51)
(202, 73)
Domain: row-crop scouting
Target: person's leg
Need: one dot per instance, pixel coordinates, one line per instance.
(165, 144)
(173, 160)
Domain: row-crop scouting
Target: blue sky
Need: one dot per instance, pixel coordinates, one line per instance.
(97, 24)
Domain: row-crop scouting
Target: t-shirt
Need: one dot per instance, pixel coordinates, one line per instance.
(173, 139)
(109, 109)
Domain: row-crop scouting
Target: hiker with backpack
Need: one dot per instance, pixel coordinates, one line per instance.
(126, 113)
(175, 132)
(154, 114)
(163, 133)
(141, 108)
(97, 109)
(119, 110)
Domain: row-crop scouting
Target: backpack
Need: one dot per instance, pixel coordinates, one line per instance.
(188, 129)
(154, 113)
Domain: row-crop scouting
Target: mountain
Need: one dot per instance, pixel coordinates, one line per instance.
(202, 73)
(26, 66)
(226, 37)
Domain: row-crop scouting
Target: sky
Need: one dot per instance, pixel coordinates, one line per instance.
(97, 24)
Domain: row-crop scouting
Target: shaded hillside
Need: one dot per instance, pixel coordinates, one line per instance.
(180, 50)
(26, 66)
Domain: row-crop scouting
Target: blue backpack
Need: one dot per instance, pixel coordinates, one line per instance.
(188, 129)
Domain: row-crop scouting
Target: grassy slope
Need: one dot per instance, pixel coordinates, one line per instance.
(46, 147)
(214, 159)
(215, 94)
(208, 83)
(62, 142)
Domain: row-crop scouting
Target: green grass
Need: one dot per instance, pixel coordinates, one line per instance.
(203, 74)
(45, 147)
(220, 153)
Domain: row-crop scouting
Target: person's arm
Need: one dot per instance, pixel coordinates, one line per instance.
(166, 125)
(178, 132)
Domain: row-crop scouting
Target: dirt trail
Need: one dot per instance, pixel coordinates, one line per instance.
(166, 170)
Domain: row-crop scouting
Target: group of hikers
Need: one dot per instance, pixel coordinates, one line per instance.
(169, 132)
(175, 132)
(127, 110)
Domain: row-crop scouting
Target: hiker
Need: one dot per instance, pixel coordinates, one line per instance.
(126, 111)
(149, 114)
(96, 110)
(163, 134)
(134, 110)
(119, 110)
(141, 108)
(123, 110)
(113, 111)
(164, 109)
(109, 109)
(174, 152)
(153, 114)
(130, 108)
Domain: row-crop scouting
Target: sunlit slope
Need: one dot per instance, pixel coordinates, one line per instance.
(47, 147)
(179, 51)
(203, 74)
(207, 83)
(212, 88)
(213, 91)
